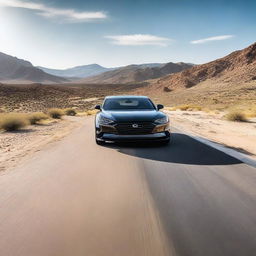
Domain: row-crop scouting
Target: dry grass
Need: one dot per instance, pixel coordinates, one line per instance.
(236, 115)
(92, 112)
(250, 112)
(70, 112)
(35, 118)
(185, 107)
(55, 113)
(13, 121)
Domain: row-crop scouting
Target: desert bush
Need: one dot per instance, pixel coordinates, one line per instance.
(236, 115)
(92, 112)
(13, 122)
(34, 118)
(250, 112)
(70, 112)
(170, 108)
(189, 107)
(55, 113)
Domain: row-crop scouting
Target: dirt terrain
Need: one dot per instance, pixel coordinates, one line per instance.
(39, 97)
(15, 147)
(236, 135)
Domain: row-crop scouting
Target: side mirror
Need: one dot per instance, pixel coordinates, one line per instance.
(159, 106)
(98, 107)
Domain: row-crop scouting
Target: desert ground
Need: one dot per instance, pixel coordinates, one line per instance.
(17, 146)
(240, 136)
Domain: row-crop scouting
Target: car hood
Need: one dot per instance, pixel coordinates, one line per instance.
(133, 116)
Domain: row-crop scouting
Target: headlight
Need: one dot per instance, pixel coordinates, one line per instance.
(162, 120)
(105, 121)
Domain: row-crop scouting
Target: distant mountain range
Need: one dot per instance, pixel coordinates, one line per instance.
(13, 70)
(77, 72)
(136, 73)
(89, 70)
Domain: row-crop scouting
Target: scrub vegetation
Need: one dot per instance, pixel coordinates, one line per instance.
(56, 113)
(36, 118)
(236, 115)
(70, 112)
(13, 121)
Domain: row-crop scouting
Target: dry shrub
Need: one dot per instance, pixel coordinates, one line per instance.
(169, 108)
(188, 107)
(55, 113)
(35, 118)
(92, 112)
(250, 112)
(236, 115)
(13, 121)
(70, 112)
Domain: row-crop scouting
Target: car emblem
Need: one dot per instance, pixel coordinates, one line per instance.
(135, 126)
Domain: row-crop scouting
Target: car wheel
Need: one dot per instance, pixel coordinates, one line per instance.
(98, 142)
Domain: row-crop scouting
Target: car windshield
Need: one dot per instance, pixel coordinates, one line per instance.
(128, 104)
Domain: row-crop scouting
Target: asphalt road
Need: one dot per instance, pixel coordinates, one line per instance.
(77, 198)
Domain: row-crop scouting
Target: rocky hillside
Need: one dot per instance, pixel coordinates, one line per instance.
(237, 67)
(137, 73)
(15, 70)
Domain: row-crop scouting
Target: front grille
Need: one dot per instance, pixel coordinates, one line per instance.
(135, 128)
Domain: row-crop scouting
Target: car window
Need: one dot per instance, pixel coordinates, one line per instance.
(128, 104)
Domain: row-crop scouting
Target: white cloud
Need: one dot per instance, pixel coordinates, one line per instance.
(209, 39)
(139, 39)
(43, 10)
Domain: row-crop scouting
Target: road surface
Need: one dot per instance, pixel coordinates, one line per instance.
(77, 198)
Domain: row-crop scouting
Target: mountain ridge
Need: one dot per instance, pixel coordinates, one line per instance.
(238, 66)
(136, 73)
(13, 69)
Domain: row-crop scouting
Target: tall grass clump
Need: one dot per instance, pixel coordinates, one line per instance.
(55, 113)
(236, 115)
(92, 112)
(35, 118)
(13, 122)
(70, 112)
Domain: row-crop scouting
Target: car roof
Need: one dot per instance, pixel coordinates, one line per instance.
(126, 96)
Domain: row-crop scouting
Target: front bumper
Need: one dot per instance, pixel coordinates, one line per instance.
(124, 132)
(109, 137)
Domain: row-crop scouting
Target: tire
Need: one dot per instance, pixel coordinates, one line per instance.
(98, 142)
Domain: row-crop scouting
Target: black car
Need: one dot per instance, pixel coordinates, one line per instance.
(130, 118)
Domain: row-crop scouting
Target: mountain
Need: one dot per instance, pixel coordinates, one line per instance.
(237, 67)
(15, 70)
(137, 73)
(78, 72)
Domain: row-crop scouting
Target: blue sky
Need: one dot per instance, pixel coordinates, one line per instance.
(61, 33)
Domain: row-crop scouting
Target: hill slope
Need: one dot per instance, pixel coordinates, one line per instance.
(226, 82)
(137, 73)
(14, 70)
(239, 66)
(79, 71)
